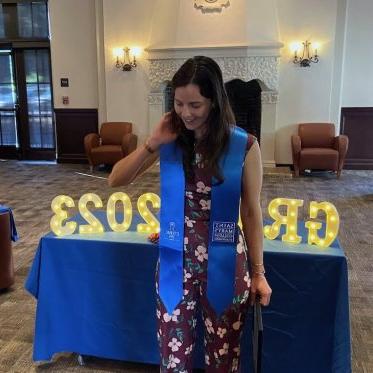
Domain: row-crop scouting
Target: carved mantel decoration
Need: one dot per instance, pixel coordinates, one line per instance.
(207, 6)
(264, 68)
(236, 62)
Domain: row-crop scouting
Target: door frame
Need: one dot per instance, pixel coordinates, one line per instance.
(24, 151)
(10, 151)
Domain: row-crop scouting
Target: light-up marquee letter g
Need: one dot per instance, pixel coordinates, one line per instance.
(332, 224)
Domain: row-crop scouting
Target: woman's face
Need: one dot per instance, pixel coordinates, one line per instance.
(192, 108)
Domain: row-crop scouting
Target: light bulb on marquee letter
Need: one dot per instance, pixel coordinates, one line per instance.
(60, 216)
(127, 212)
(332, 224)
(152, 225)
(290, 220)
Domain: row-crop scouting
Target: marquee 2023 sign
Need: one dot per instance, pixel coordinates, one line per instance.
(94, 225)
(289, 220)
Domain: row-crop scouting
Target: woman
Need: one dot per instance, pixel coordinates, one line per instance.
(198, 137)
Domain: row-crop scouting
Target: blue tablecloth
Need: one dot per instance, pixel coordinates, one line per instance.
(96, 296)
(13, 230)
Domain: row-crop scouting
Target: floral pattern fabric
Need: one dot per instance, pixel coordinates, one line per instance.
(177, 332)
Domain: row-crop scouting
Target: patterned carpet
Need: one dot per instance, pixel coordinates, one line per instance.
(29, 189)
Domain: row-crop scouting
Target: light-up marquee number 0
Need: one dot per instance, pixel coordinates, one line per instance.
(127, 209)
(94, 225)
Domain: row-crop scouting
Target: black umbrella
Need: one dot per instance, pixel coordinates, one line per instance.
(257, 336)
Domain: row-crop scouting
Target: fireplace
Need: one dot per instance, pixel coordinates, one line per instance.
(245, 100)
(250, 74)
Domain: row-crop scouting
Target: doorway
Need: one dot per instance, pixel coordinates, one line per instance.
(26, 113)
(27, 129)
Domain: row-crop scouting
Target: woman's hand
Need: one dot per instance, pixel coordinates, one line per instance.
(260, 287)
(163, 133)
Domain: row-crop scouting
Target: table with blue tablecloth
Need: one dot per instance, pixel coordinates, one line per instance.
(12, 225)
(8, 233)
(96, 296)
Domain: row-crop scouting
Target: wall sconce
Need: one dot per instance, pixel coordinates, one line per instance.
(306, 58)
(125, 64)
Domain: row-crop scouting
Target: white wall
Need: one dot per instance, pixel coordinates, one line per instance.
(73, 52)
(178, 23)
(101, 71)
(339, 47)
(127, 23)
(304, 93)
(357, 79)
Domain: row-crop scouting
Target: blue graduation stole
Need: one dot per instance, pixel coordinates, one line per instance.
(223, 232)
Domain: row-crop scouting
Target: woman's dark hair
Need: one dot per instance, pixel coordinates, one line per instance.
(206, 74)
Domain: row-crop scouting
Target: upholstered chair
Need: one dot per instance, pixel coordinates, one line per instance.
(6, 256)
(316, 147)
(114, 142)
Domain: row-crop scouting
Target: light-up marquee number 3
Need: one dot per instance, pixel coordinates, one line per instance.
(60, 228)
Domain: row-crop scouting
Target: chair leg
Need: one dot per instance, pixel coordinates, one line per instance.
(91, 168)
(339, 173)
(296, 172)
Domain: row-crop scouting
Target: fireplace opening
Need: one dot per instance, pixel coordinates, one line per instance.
(245, 100)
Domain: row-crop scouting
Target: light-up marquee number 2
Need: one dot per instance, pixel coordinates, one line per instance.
(94, 225)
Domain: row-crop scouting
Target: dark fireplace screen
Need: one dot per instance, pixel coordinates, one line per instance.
(246, 103)
(245, 100)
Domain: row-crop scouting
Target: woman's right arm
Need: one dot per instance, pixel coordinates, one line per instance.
(128, 168)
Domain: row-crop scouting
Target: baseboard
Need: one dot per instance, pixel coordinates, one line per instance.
(72, 158)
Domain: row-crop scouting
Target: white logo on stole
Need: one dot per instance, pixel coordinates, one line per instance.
(223, 231)
(171, 232)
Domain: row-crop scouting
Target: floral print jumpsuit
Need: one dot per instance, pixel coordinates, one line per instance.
(177, 332)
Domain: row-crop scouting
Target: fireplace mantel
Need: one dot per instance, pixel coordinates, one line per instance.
(233, 50)
(246, 62)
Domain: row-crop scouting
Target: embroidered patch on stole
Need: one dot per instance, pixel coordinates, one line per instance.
(223, 231)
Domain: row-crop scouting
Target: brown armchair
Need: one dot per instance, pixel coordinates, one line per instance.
(114, 142)
(6, 256)
(317, 147)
